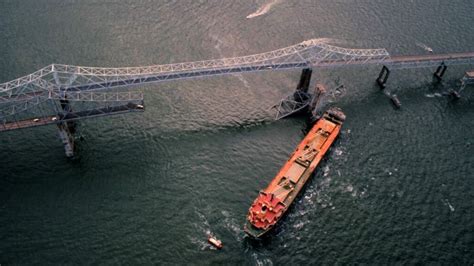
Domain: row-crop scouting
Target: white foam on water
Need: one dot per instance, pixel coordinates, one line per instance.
(338, 152)
(349, 188)
(264, 8)
(261, 262)
(433, 95)
(232, 226)
(202, 228)
(339, 89)
(202, 245)
(225, 213)
(315, 195)
(220, 42)
(447, 203)
(325, 170)
(300, 224)
(203, 220)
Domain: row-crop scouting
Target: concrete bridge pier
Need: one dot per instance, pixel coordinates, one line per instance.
(319, 91)
(383, 77)
(305, 79)
(67, 129)
(301, 92)
(67, 138)
(439, 73)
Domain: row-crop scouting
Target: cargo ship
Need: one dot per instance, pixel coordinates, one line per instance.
(272, 202)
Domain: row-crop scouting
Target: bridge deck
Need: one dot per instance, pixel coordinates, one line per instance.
(54, 119)
(430, 57)
(28, 123)
(414, 61)
(430, 60)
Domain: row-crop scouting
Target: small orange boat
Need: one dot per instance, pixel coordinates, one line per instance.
(275, 200)
(214, 241)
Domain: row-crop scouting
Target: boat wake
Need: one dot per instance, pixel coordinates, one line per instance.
(264, 9)
(218, 46)
(432, 95)
(203, 228)
(424, 46)
(447, 203)
(232, 225)
(202, 244)
(261, 261)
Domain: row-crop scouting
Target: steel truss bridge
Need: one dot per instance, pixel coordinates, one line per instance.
(60, 94)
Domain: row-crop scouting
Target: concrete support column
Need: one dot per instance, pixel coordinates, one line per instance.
(383, 77)
(67, 138)
(439, 73)
(67, 129)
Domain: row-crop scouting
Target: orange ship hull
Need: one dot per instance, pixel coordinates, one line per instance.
(274, 201)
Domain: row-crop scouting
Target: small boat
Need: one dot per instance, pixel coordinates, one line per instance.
(215, 242)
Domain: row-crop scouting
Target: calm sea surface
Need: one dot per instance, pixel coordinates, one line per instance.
(396, 188)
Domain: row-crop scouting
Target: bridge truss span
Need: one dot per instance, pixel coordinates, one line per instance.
(59, 94)
(306, 54)
(38, 93)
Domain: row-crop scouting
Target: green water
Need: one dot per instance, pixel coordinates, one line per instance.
(396, 188)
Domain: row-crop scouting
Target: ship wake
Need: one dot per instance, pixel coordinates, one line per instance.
(264, 8)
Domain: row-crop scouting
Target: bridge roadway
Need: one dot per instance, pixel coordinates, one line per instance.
(415, 61)
(429, 60)
(395, 62)
(53, 119)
